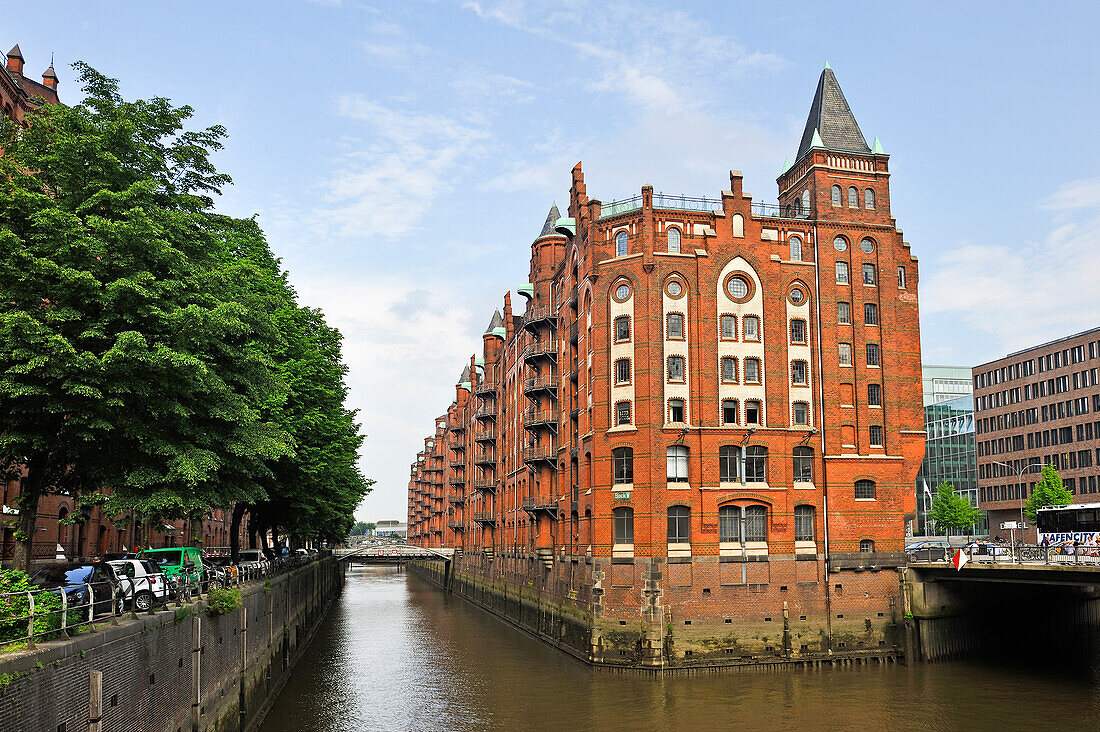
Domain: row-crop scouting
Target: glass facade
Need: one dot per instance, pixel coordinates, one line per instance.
(950, 455)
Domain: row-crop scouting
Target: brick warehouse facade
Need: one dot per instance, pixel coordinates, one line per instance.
(697, 444)
(1039, 406)
(95, 533)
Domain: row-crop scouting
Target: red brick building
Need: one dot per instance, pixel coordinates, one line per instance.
(1036, 407)
(20, 96)
(708, 415)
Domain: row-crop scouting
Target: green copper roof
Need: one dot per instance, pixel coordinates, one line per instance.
(568, 224)
(500, 332)
(479, 361)
(877, 148)
(827, 64)
(816, 141)
(526, 289)
(786, 164)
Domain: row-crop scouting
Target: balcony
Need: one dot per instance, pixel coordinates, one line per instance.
(547, 349)
(486, 485)
(458, 480)
(458, 447)
(573, 297)
(485, 457)
(545, 453)
(535, 419)
(485, 435)
(536, 318)
(573, 334)
(485, 517)
(660, 200)
(456, 500)
(574, 375)
(544, 382)
(458, 429)
(534, 505)
(485, 387)
(487, 410)
(456, 526)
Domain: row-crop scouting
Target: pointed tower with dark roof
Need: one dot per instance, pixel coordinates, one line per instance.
(835, 173)
(551, 219)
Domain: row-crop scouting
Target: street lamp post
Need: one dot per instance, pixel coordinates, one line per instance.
(1019, 486)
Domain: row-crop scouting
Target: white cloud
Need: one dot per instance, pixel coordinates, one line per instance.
(1026, 293)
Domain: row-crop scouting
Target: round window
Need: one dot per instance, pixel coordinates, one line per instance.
(738, 288)
(674, 289)
(840, 243)
(622, 292)
(798, 296)
(867, 246)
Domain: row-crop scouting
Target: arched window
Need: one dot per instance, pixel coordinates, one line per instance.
(836, 196)
(866, 545)
(730, 412)
(729, 523)
(796, 249)
(674, 240)
(677, 463)
(729, 463)
(756, 523)
(679, 524)
(865, 489)
(803, 464)
(869, 198)
(622, 413)
(622, 458)
(800, 414)
(752, 371)
(729, 370)
(803, 523)
(853, 197)
(738, 224)
(624, 525)
(756, 464)
(620, 244)
(806, 202)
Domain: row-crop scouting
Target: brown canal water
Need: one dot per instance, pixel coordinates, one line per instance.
(396, 653)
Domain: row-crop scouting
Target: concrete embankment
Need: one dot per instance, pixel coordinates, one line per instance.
(174, 669)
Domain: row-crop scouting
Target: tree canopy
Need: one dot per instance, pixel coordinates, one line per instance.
(149, 345)
(952, 511)
(1048, 492)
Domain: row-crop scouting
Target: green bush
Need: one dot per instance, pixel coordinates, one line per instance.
(223, 602)
(14, 608)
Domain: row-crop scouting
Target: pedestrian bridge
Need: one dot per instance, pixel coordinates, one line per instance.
(392, 553)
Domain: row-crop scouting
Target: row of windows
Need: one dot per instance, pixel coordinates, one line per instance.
(727, 331)
(1018, 492)
(1046, 362)
(1042, 438)
(870, 274)
(731, 458)
(844, 352)
(1041, 389)
(853, 197)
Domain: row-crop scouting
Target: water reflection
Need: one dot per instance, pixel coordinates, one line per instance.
(397, 654)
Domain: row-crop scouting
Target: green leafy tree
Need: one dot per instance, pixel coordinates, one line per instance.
(360, 529)
(135, 348)
(1048, 492)
(951, 511)
(371, 527)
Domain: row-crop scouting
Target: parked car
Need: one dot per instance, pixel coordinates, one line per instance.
(177, 564)
(140, 583)
(933, 550)
(224, 565)
(76, 578)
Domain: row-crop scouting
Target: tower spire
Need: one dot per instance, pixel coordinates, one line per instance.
(831, 123)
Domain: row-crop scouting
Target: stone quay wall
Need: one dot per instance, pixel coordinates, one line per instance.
(666, 614)
(175, 669)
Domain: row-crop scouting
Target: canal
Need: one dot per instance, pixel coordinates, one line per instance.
(398, 654)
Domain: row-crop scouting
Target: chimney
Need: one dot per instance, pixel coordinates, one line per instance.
(15, 60)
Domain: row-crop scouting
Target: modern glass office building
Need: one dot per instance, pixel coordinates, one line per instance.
(950, 452)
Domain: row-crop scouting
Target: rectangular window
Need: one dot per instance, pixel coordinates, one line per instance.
(622, 328)
(679, 525)
(801, 413)
(901, 278)
(622, 413)
(874, 395)
(845, 353)
(752, 328)
(729, 327)
(622, 371)
(869, 277)
(676, 368)
(730, 412)
(842, 273)
(876, 435)
(752, 412)
(798, 331)
(872, 354)
(798, 373)
(752, 371)
(803, 523)
(677, 464)
(675, 410)
(756, 523)
(675, 326)
(729, 523)
(870, 313)
(624, 526)
(729, 369)
(843, 313)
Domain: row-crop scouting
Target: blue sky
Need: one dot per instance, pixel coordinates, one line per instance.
(401, 156)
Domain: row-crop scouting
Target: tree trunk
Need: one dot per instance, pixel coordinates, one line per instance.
(235, 532)
(275, 539)
(29, 495)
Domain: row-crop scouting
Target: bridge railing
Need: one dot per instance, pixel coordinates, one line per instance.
(994, 553)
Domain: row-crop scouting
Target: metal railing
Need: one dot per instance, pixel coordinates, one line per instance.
(661, 200)
(775, 211)
(35, 615)
(997, 553)
(541, 349)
